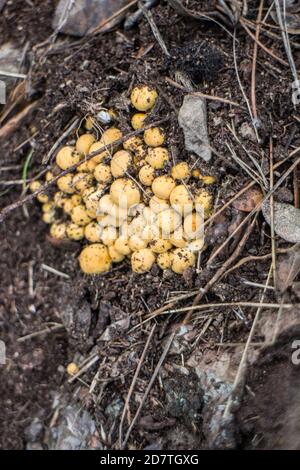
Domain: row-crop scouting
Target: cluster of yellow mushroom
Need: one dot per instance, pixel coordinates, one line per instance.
(129, 200)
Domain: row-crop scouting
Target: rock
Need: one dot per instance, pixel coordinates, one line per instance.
(247, 132)
(34, 431)
(82, 17)
(75, 430)
(286, 220)
(10, 62)
(192, 119)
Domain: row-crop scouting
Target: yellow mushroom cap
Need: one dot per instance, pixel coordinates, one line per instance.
(168, 221)
(75, 232)
(109, 235)
(115, 255)
(142, 260)
(162, 186)
(137, 120)
(137, 225)
(181, 171)
(124, 192)
(92, 232)
(92, 200)
(49, 176)
(84, 142)
(102, 173)
(177, 238)
(182, 259)
(136, 243)
(204, 199)
(58, 231)
(95, 259)
(79, 215)
(111, 135)
(157, 157)
(65, 184)
(122, 245)
(76, 199)
(196, 245)
(133, 143)
(67, 156)
(82, 181)
(164, 260)
(160, 245)
(154, 137)
(68, 206)
(150, 233)
(34, 186)
(43, 198)
(48, 206)
(143, 97)
(72, 368)
(120, 163)
(181, 200)
(193, 225)
(208, 180)
(59, 199)
(98, 157)
(146, 175)
(158, 205)
(48, 217)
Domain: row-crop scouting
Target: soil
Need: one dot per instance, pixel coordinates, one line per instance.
(73, 78)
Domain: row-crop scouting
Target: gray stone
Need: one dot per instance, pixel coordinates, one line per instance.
(192, 119)
(286, 220)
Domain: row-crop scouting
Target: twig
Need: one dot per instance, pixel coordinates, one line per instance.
(229, 304)
(156, 33)
(131, 388)
(3, 73)
(54, 271)
(14, 122)
(50, 329)
(253, 73)
(273, 242)
(59, 140)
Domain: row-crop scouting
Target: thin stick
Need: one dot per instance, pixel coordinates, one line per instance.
(152, 380)
(59, 140)
(273, 241)
(50, 329)
(131, 388)
(229, 304)
(254, 60)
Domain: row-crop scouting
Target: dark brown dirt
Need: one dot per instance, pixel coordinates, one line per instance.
(70, 80)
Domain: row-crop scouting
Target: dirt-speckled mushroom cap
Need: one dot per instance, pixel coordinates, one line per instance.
(95, 259)
(142, 260)
(143, 97)
(182, 259)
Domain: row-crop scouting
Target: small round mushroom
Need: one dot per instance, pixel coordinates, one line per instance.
(154, 137)
(133, 143)
(124, 192)
(58, 231)
(122, 245)
(142, 260)
(157, 157)
(68, 206)
(75, 232)
(95, 259)
(164, 260)
(84, 142)
(48, 217)
(162, 186)
(143, 97)
(137, 120)
(136, 243)
(120, 163)
(181, 200)
(115, 255)
(158, 205)
(204, 199)
(92, 232)
(177, 238)
(102, 173)
(182, 259)
(79, 215)
(181, 171)
(82, 181)
(168, 221)
(72, 369)
(67, 156)
(109, 235)
(146, 175)
(160, 245)
(65, 184)
(193, 225)
(35, 186)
